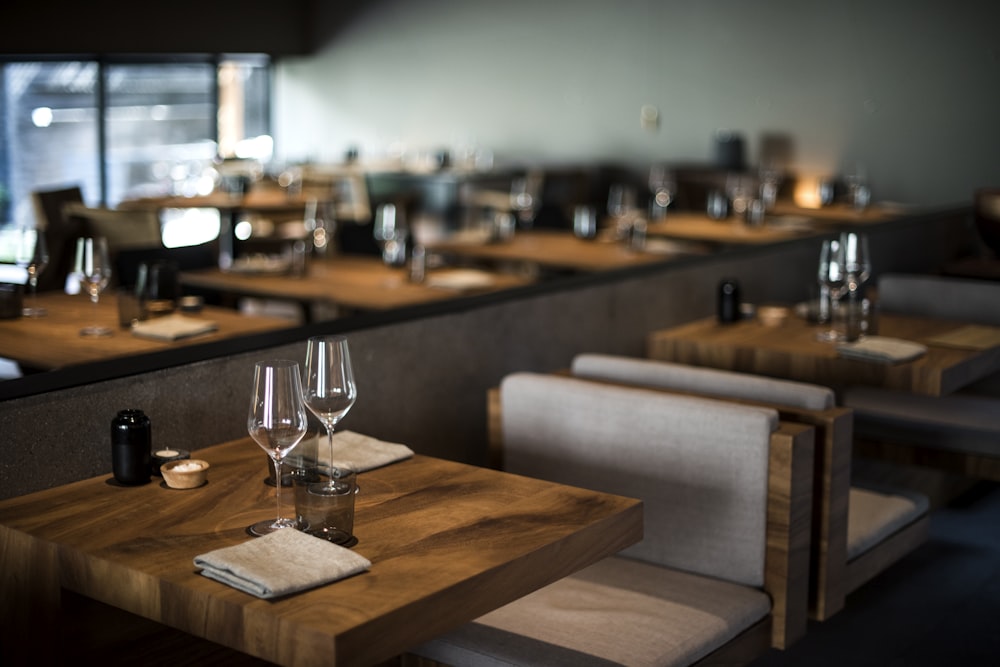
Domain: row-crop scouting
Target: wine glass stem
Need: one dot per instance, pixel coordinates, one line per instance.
(329, 441)
(277, 489)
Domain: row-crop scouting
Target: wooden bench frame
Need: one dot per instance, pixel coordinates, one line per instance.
(831, 575)
(786, 576)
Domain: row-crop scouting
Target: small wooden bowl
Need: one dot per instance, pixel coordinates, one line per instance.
(184, 473)
(772, 316)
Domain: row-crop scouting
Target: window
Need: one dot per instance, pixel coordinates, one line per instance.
(125, 128)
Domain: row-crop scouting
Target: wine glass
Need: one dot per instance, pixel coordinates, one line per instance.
(277, 422)
(857, 260)
(663, 186)
(832, 281)
(94, 271)
(391, 233)
(329, 388)
(33, 257)
(621, 208)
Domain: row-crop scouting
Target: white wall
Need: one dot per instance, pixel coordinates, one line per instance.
(908, 88)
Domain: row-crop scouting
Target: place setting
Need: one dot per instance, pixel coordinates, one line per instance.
(314, 547)
(848, 316)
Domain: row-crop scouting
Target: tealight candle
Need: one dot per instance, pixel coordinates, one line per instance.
(161, 456)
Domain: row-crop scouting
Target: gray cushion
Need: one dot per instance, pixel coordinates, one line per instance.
(976, 301)
(874, 515)
(958, 422)
(616, 612)
(699, 465)
(708, 381)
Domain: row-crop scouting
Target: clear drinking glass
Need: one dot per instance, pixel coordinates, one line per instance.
(93, 267)
(277, 422)
(832, 280)
(330, 390)
(33, 257)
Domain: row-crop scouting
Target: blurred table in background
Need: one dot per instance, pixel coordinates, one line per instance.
(685, 225)
(54, 341)
(355, 282)
(556, 249)
(792, 351)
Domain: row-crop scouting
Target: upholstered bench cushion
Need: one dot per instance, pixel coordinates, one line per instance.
(960, 422)
(873, 516)
(705, 381)
(617, 612)
(699, 465)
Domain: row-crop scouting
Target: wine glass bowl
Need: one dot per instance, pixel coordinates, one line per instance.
(277, 422)
(329, 391)
(93, 268)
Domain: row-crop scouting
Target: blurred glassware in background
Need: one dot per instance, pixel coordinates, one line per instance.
(663, 187)
(585, 222)
(526, 198)
(391, 233)
(32, 255)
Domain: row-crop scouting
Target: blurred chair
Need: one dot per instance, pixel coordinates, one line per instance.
(959, 432)
(134, 230)
(61, 233)
(857, 531)
(722, 567)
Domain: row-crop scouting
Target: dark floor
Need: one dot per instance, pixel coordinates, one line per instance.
(938, 606)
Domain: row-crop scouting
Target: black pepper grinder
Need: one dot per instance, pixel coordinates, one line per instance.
(729, 301)
(131, 443)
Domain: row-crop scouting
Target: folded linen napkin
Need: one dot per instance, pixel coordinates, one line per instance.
(172, 327)
(361, 452)
(881, 348)
(283, 562)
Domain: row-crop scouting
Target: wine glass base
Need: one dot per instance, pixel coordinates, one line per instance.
(262, 528)
(830, 337)
(34, 312)
(95, 332)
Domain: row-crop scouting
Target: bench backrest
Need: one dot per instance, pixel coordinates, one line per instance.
(700, 466)
(976, 301)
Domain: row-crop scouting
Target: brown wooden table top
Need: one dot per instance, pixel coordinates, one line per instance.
(360, 282)
(699, 227)
(448, 542)
(844, 214)
(555, 249)
(792, 351)
(261, 199)
(54, 341)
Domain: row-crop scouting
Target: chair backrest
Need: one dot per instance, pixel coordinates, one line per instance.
(705, 381)
(795, 401)
(976, 301)
(700, 466)
(61, 233)
(123, 229)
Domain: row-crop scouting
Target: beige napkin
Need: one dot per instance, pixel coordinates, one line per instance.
(283, 562)
(172, 327)
(881, 348)
(361, 452)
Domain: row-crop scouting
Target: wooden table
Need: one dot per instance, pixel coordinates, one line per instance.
(792, 351)
(841, 215)
(555, 249)
(358, 282)
(259, 200)
(54, 341)
(731, 231)
(448, 542)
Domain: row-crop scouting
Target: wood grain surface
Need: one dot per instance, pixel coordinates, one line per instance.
(791, 351)
(362, 283)
(54, 341)
(448, 542)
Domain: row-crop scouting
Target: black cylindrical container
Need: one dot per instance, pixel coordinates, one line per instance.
(729, 301)
(131, 443)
